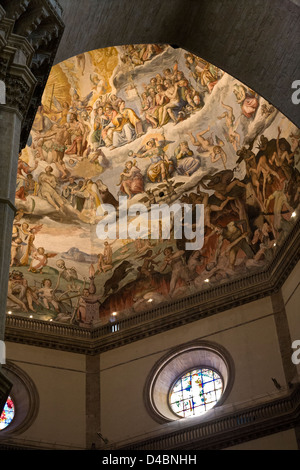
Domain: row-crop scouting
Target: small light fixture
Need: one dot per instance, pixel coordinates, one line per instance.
(294, 214)
(9, 312)
(150, 300)
(30, 316)
(114, 314)
(274, 244)
(206, 280)
(51, 319)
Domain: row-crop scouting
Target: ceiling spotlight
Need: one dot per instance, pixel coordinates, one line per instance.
(114, 314)
(206, 280)
(150, 300)
(274, 244)
(294, 214)
(30, 316)
(51, 319)
(9, 312)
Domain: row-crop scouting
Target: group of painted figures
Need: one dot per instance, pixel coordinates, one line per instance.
(250, 194)
(76, 131)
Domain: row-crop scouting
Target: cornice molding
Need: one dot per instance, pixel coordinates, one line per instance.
(210, 301)
(229, 429)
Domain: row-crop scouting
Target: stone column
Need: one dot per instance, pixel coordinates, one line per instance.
(30, 31)
(19, 85)
(17, 89)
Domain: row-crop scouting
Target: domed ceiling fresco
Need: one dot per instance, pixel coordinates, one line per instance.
(149, 125)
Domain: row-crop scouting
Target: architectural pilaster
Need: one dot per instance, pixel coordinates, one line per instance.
(93, 439)
(284, 337)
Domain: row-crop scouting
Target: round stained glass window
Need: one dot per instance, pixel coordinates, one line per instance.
(196, 392)
(7, 413)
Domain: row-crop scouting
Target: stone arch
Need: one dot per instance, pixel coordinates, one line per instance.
(252, 41)
(25, 397)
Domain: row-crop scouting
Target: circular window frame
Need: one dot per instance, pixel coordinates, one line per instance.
(200, 367)
(23, 392)
(173, 365)
(14, 403)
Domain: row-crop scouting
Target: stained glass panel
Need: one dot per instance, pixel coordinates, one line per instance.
(7, 413)
(196, 392)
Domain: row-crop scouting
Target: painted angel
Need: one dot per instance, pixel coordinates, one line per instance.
(62, 109)
(78, 104)
(99, 84)
(40, 260)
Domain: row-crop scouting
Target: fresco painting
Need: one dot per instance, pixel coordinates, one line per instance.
(156, 125)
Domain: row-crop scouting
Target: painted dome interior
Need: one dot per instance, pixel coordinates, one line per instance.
(153, 125)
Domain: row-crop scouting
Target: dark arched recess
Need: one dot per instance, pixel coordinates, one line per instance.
(255, 41)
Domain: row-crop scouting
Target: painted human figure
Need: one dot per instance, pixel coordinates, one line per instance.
(187, 164)
(147, 268)
(127, 126)
(89, 304)
(234, 136)
(131, 180)
(215, 152)
(280, 202)
(159, 161)
(237, 235)
(47, 189)
(247, 99)
(39, 260)
(23, 168)
(283, 158)
(76, 131)
(178, 266)
(105, 262)
(15, 251)
(47, 295)
(19, 292)
(172, 93)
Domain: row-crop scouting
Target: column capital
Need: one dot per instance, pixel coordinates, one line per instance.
(30, 31)
(20, 84)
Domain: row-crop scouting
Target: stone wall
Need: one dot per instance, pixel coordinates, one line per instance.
(100, 400)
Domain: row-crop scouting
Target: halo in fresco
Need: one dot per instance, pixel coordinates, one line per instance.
(156, 125)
